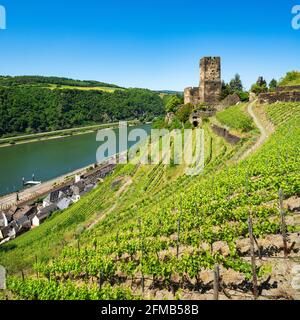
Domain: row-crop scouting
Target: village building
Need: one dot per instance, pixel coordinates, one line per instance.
(64, 203)
(49, 209)
(78, 187)
(75, 198)
(39, 219)
(43, 214)
(54, 196)
(3, 220)
(28, 211)
(18, 220)
(4, 232)
(10, 213)
(78, 177)
(9, 232)
(23, 225)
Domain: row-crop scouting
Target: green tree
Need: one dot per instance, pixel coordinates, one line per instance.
(258, 89)
(235, 84)
(272, 85)
(184, 112)
(261, 82)
(225, 90)
(173, 103)
(260, 86)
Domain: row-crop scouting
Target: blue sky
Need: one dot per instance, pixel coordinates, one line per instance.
(153, 44)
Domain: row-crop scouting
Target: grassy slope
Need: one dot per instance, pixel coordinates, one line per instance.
(236, 118)
(105, 89)
(291, 79)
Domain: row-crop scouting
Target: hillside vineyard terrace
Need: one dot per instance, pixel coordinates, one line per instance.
(188, 147)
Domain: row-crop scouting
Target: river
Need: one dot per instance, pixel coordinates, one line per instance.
(49, 159)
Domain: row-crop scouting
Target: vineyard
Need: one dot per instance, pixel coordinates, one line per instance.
(236, 118)
(223, 234)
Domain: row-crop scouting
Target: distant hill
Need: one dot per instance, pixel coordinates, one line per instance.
(47, 81)
(33, 104)
(169, 92)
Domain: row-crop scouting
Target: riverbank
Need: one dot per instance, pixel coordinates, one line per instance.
(33, 193)
(50, 159)
(58, 134)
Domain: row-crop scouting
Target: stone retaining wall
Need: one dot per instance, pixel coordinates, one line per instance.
(288, 88)
(225, 134)
(284, 96)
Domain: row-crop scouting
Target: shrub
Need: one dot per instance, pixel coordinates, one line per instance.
(244, 96)
(184, 112)
(158, 123)
(175, 124)
(188, 125)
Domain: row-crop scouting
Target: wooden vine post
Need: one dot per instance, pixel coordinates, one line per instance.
(258, 248)
(100, 279)
(78, 244)
(267, 162)
(95, 244)
(216, 282)
(283, 224)
(117, 242)
(36, 262)
(278, 158)
(178, 229)
(247, 183)
(178, 238)
(254, 275)
(142, 255)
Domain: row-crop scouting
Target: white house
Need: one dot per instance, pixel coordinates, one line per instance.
(39, 219)
(43, 214)
(36, 221)
(75, 198)
(78, 177)
(3, 220)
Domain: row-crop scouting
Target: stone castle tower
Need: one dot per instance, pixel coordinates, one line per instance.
(209, 89)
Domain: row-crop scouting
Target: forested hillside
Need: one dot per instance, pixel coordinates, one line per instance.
(31, 109)
(39, 80)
